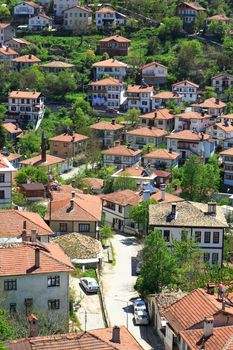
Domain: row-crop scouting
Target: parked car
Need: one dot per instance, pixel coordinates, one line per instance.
(139, 305)
(141, 317)
(138, 267)
(89, 284)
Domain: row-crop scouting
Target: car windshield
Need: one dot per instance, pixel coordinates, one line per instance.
(92, 283)
(140, 303)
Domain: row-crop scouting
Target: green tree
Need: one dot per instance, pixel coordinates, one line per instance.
(132, 116)
(19, 199)
(140, 214)
(158, 267)
(29, 143)
(124, 182)
(106, 232)
(32, 174)
(6, 330)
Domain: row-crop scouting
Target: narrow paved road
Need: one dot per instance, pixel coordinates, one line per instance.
(118, 284)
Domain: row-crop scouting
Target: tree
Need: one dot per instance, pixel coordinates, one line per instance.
(6, 330)
(140, 214)
(170, 28)
(19, 199)
(124, 182)
(29, 143)
(132, 116)
(106, 232)
(158, 268)
(31, 174)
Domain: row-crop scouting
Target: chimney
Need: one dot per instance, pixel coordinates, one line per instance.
(210, 288)
(113, 121)
(7, 48)
(29, 56)
(43, 147)
(72, 204)
(217, 101)
(212, 208)
(163, 188)
(33, 326)
(24, 235)
(173, 212)
(33, 235)
(170, 150)
(202, 113)
(85, 190)
(208, 326)
(73, 183)
(117, 143)
(129, 145)
(116, 335)
(72, 194)
(24, 225)
(155, 114)
(37, 258)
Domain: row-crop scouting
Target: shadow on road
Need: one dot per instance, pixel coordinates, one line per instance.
(134, 262)
(129, 241)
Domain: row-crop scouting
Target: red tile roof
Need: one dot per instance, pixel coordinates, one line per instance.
(58, 64)
(162, 173)
(26, 59)
(86, 207)
(188, 135)
(13, 226)
(95, 184)
(210, 103)
(186, 82)
(24, 94)
(222, 126)
(169, 198)
(7, 51)
(106, 82)
(68, 138)
(111, 62)
(43, 15)
(221, 339)
(125, 197)
(106, 10)
(33, 4)
(12, 128)
(99, 339)
(13, 156)
(227, 152)
(135, 171)
(121, 151)
(4, 163)
(83, 8)
(167, 95)
(194, 6)
(19, 259)
(4, 25)
(160, 114)
(191, 310)
(223, 74)
(147, 131)
(153, 64)
(162, 154)
(106, 126)
(50, 160)
(220, 17)
(117, 38)
(193, 115)
(139, 89)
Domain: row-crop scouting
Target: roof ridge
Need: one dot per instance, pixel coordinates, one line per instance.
(104, 341)
(49, 255)
(20, 213)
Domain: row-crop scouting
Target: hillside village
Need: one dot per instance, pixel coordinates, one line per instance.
(116, 175)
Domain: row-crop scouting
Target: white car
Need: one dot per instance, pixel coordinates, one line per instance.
(139, 305)
(141, 317)
(89, 284)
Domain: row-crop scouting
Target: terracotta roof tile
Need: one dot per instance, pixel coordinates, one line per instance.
(43, 15)
(227, 152)
(132, 171)
(160, 114)
(52, 259)
(24, 94)
(223, 74)
(4, 163)
(221, 126)
(83, 8)
(20, 41)
(26, 59)
(125, 197)
(162, 173)
(153, 64)
(210, 103)
(111, 62)
(50, 160)
(193, 115)
(13, 156)
(162, 154)
(169, 198)
(4, 25)
(194, 6)
(221, 339)
(220, 17)
(117, 38)
(96, 184)
(106, 126)
(33, 4)
(106, 10)
(57, 64)
(168, 95)
(12, 128)
(69, 138)
(186, 82)
(121, 151)
(13, 225)
(139, 89)
(188, 135)
(146, 131)
(7, 51)
(106, 82)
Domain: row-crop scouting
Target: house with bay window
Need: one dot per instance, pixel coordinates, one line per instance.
(121, 156)
(206, 225)
(186, 88)
(140, 97)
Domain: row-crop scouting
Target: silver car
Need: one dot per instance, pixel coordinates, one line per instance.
(89, 284)
(141, 317)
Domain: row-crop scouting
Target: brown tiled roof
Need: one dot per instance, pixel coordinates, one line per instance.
(188, 82)
(153, 64)
(106, 82)
(33, 4)
(169, 198)
(227, 152)
(111, 62)
(125, 197)
(161, 173)
(188, 135)
(50, 160)
(58, 64)
(193, 115)
(43, 15)
(106, 126)
(121, 151)
(4, 25)
(220, 17)
(117, 38)
(13, 156)
(160, 114)
(86, 208)
(106, 10)
(133, 171)
(210, 103)
(223, 74)
(4, 162)
(24, 94)
(8, 51)
(221, 339)
(167, 95)
(194, 6)
(146, 131)
(99, 339)
(83, 8)
(20, 41)
(228, 128)
(11, 223)
(140, 88)
(12, 128)
(19, 259)
(26, 59)
(68, 138)
(162, 154)
(197, 214)
(96, 184)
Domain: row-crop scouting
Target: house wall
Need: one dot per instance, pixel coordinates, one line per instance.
(140, 141)
(206, 148)
(188, 91)
(24, 9)
(113, 216)
(39, 23)
(36, 287)
(6, 34)
(6, 186)
(26, 108)
(66, 149)
(120, 161)
(154, 75)
(77, 19)
(217, 83)
(156, 163)
(73, 226)
(114, 48)
(140, 101)
(60, 6)
(189, 124)
(115, 72)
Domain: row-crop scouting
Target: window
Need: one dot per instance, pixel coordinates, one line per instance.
(54, 304)
(54, 281)
(2, 177)
(207, 237)
(12, 308)
(28, 305)
(84, 227)
(120, 208)
(206, 257)
(214, 258)
(166, 235)
(10, 285)
(198, 236)
(63, 227)
(216, 237)
(111, 206)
